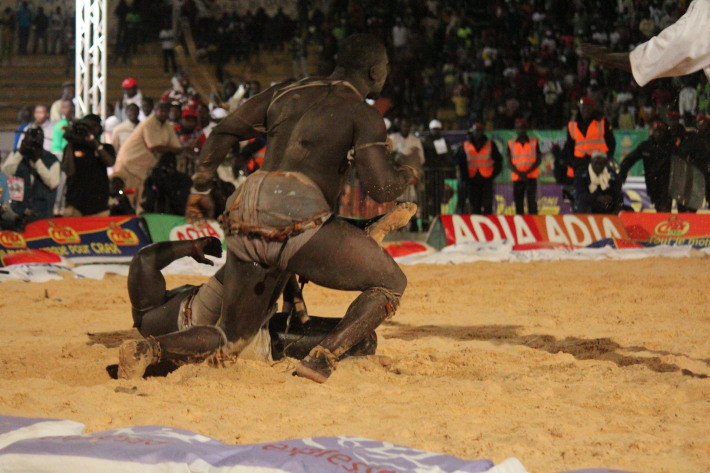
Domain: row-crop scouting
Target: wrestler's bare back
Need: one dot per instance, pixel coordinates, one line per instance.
(311, 127)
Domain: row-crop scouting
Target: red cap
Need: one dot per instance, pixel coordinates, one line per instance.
(188, 112)
(701, 118)
(478, 126)
(521, 122)
(128, 83)
(587, 101)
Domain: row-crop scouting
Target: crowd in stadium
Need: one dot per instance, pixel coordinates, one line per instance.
(454, 65)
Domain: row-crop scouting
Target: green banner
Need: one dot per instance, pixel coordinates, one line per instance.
(163, 227)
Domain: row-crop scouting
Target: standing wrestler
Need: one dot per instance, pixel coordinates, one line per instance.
(279, 221)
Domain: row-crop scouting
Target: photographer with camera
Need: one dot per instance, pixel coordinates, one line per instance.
(33, 176)
(85, 162)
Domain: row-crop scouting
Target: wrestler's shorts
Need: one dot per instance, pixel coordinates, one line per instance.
(203, 307)
(273, 215)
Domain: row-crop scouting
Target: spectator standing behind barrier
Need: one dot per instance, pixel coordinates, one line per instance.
(524, 158)
(480, 162)
(598, 188)
(137, 156)
(588, 133)
(85, 162)
(439, 161)
(655, 152)
(33, 175)
(124, 129)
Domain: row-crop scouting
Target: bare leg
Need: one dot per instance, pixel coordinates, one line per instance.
(250, 290)
(155, 311)
(341, 256)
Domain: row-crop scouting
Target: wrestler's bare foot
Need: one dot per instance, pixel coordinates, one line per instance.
(391, 221)
(316, 370)
(318, 365)
(206, 246)
(134, 356)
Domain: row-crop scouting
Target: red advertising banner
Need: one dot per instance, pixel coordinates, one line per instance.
(571, 230)
(85, 239)
(668, 228)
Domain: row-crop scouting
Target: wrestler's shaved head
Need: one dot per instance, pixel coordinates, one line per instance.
(360, 52)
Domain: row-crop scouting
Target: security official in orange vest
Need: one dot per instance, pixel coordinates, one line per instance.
(589, 133)
(479, 163)
(524, 158)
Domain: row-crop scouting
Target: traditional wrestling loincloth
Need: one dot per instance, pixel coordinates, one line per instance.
(204, 306)
(272, 215)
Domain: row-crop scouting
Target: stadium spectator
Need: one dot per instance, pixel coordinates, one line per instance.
(67, 94)
(405, 143)
(124, 129)
(66, 115)
(41, 120)
(85, 163)
(655, 152)
(137, 156)
(147, 105)
(7, 36)
(57, 22)
(598, 189)
(34, 175)
(131, 94)
(40, 24)
(167, 44)
(23, 19)
(24, 117)
(439, 160)
(480, 162)
(181, 92)
(191, 139)
(524, 158)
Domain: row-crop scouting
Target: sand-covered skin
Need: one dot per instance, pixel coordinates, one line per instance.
(563, 365)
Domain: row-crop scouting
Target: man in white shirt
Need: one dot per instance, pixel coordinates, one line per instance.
(125, 128)
(680, 49)
(41, 116)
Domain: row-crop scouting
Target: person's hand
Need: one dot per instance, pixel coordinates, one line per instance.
(199, 207)
(598, 54)
(91, 140)
(206, 246)
(413, 163)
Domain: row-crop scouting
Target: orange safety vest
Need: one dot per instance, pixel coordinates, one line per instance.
(479, 160)
(523, 157)
(257, 159)
(587, 145)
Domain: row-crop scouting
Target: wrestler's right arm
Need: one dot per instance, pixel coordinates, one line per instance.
(248, 121)
(382, 178)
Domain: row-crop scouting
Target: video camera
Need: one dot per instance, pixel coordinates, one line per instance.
(32, 143)
(77, 132)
